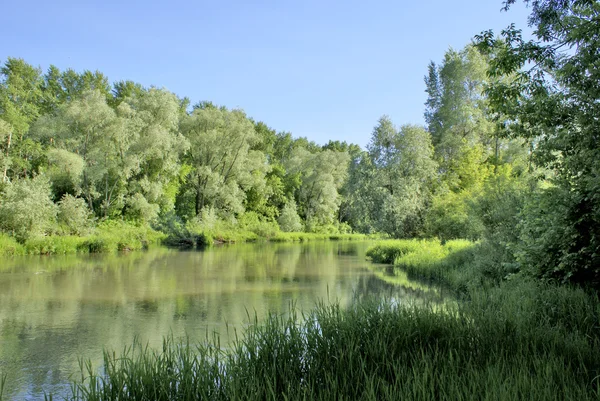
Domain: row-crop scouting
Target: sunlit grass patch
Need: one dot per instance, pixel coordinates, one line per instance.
(54, 245)
(429, 259)
(9, 246)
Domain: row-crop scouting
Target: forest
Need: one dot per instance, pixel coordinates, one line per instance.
(508, 157)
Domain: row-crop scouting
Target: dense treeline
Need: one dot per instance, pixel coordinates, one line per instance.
(508, 156)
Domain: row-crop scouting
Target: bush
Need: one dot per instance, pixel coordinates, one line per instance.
(289, 220)
(9, 246)
(74, 215)
(138, 209)
(251, 221)
(111, 236)
(54, 245)
(26, 208)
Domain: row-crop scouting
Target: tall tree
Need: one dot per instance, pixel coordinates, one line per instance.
(322, 175)
(20, 94)
(223, 162)
(392, 185)
(553, 102)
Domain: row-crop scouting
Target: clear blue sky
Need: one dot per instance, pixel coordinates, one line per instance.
(320, 69)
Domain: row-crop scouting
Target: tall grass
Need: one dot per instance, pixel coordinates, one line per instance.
(9, 246)
(493, 347)
(110, 236)
(451, 263)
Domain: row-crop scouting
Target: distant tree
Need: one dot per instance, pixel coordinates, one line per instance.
(224, 165)
(322, 175)
(289, 220)
(392, 184)
(74, 215)
(20, 96)
(26, 208)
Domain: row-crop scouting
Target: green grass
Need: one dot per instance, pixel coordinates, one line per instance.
(305, 237)
(54, 245)
(452, 263)
(9, 246)
(107, 237)
(495, 347)
(112, 236)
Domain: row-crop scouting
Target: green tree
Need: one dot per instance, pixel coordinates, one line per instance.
(224, 165)
(20, 94)
(289, 220)
(322, 175)
(74, 215)
(390, 187)
(553, 103)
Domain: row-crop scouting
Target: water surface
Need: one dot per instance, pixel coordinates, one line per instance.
(54, 310)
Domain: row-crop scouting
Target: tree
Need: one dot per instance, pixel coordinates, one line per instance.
(223, 162)
(89, 128)
(20, 94)
(154, 150)
(322, 175)
(553, 103)
(289, 220)
(392, 182)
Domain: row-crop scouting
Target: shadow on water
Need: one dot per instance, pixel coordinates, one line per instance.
(54, 310)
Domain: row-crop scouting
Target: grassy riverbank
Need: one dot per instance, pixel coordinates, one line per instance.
(509, 339)
(520, 341)
(117, 236)
(110, 236)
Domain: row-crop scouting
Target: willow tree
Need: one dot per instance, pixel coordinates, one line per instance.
(223, 164)
(129, 153)
(321, 176)
(20, 96)
(391, 181)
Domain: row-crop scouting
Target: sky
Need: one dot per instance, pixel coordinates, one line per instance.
(325, 70)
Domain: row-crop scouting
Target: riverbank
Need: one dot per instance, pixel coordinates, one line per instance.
(116, 236)
(525, 341)
(111, 236)
(517, 338)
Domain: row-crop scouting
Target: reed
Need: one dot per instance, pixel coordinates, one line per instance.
(494, 347)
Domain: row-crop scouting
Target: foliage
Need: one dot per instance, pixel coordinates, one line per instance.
(26, 208)
(223, 163)
(392, 181)
(74, 215)
(378, 350)
(9, 246)
(55, 245)
(112, 236)
(321, 175)
(450, 216)
(289, 221)
(552, 103)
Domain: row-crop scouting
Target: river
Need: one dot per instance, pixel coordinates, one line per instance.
(56, 310)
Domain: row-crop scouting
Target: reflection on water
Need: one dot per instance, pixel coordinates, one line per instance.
(54, 310)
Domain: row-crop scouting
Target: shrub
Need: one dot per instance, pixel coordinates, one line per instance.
(289, 220)
(9, 246)
(74, 214)
(26, 208)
